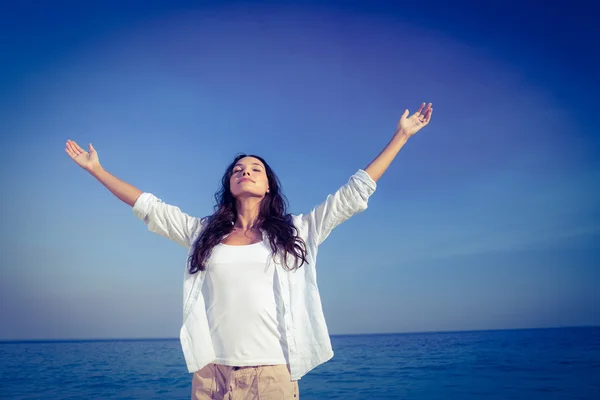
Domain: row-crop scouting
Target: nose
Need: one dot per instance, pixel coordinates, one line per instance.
(246, 173)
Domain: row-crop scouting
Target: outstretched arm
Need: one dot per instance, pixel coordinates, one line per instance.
(89, 161)
(353, 197)
(166, 220)
(407, 126)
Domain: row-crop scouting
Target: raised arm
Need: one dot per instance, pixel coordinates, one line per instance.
(89, 161)
(407, 126)
(161, 218)
(348, 200)
(353, 197)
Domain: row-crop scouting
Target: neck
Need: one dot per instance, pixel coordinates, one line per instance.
(247, 213)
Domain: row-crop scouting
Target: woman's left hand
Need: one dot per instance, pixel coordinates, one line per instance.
(408, 126)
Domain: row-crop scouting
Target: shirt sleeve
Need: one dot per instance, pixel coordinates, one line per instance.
(350, 199)
(166, 220)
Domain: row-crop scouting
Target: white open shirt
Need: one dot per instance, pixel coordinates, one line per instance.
(306, 332)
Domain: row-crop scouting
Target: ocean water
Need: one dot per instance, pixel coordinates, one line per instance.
(511, 364)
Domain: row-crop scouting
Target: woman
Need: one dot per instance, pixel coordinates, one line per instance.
(253, 324)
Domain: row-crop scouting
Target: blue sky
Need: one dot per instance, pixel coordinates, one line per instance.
(487, 219)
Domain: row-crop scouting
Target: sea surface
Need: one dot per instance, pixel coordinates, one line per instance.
(562, 363)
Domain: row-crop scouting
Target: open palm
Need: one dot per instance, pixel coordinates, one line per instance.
(86, 160)
(410, 125)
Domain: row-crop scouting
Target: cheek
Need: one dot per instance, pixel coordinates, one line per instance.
(265, 183)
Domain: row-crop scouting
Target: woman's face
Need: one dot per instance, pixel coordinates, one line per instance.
(249, 178)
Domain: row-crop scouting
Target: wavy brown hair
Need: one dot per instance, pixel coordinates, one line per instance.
(272, 218)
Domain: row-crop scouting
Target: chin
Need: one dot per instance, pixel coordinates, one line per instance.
(245, 194)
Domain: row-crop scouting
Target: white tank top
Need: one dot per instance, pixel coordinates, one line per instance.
(241, 297)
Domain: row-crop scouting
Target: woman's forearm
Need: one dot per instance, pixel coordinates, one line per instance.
(407, 126)
(123, 190)
(381, 163)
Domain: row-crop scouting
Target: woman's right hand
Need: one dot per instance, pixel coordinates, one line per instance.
(86, 160)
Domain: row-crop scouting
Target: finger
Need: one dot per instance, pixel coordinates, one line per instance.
(71, 146)
(429, 115)
(92, 150)
(429, 112)
(76, 149)
(70, 153)
(420, 109)
(405, 114)
(425, 112)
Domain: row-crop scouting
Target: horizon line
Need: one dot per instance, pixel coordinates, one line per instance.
(141, 339)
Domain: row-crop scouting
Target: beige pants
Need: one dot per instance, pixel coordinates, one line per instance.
(265, 382)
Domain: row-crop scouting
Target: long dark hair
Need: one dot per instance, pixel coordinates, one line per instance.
(272, 218)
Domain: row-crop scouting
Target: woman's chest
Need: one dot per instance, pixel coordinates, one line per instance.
(240, 238)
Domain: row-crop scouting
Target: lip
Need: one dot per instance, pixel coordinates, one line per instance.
(245, 180)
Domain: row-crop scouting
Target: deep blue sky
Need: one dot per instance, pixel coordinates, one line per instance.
(489, 218)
